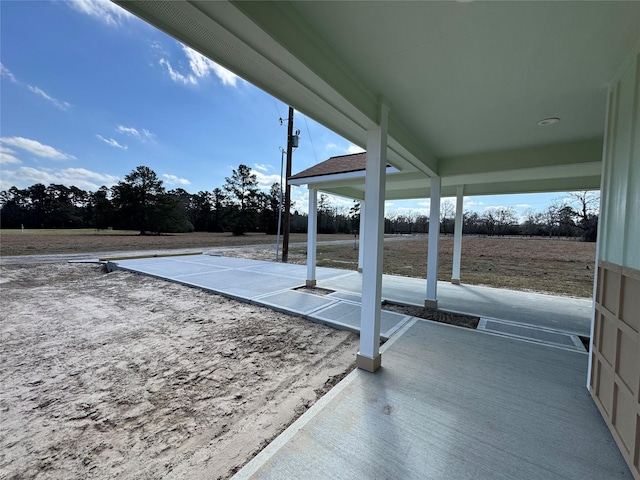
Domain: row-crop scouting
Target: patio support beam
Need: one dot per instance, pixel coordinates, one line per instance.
(432, 253)
(369, 357)
(361, 237)
(457, 237)
(312, 234)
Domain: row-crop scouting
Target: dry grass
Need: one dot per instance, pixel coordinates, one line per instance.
(41, 242)
(553, 266)
(546, 265)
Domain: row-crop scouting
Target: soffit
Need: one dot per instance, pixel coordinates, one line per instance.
(465, 80)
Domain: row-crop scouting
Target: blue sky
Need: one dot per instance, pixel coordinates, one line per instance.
(89, 92)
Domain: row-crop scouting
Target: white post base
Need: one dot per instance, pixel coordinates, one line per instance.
(431, 303)
(368, 364)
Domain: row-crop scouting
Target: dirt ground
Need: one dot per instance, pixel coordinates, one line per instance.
(126, 376)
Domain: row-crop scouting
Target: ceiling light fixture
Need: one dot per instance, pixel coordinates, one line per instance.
(549, 121)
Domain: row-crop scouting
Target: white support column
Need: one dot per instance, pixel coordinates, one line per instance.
(432, 254)
(369, 357)
(457, 237)
(312, 235)
(361, 237)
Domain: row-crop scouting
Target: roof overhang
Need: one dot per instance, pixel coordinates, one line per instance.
(551, 168)
(466, 83)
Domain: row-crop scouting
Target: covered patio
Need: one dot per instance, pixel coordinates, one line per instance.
(451, 403)
(463, 93)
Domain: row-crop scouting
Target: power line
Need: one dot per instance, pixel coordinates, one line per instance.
(275, 103)
(313, 147)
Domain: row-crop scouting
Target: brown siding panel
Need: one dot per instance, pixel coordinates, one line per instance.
(630, 304)
(615, 376)
(608, 340)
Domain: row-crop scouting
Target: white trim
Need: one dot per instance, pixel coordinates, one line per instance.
(434, 234)
(457, 235)
(374, 233)
(361, 237)
(312, 233)
(334, 177)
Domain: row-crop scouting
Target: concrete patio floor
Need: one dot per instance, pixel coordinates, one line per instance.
(448, 402)
(451, 403)
(540, 318)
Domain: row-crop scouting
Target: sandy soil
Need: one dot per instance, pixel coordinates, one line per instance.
(125, 376)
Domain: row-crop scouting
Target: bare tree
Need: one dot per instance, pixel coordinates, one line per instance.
(587, 203)
(447, 216)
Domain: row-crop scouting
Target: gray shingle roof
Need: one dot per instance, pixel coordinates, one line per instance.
(341, 164)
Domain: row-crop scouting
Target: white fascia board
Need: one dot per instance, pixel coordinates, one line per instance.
(311, 181)
(337, 178)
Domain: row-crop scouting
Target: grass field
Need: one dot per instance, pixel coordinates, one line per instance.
(45, 241)
(554, 266)
(538, 264)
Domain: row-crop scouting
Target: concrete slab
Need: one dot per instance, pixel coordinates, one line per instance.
(290, 270)
(249, 279)
(451, 403)
(347, 315)
(548, 311)
(296, 302)
(350, 297)
(535, 334)
(240, 283)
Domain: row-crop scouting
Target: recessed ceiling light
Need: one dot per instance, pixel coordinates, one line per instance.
(549, 121)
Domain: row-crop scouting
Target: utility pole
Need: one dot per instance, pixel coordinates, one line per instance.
(287, 194)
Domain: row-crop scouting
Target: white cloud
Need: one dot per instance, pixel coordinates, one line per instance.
(174, 180)
(5, 72)
(331, 146)
(103, 10)
(177, 76)
(36, 148)
(523, 205)
(497, 207)
(424, 204)
(407, 211)
(262, 167)
(7, 156)
(112, 142)
(265, 181)
(142, 135)
(201, 67)
(62, 105)
(354, 149)
(80, 177)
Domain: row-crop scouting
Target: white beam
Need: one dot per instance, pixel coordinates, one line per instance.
(431, 300)
(457, 237)
(361, 238)
(369, 357)
(312, 233)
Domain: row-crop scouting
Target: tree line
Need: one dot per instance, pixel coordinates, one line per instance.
(141, 202)
(575, 216)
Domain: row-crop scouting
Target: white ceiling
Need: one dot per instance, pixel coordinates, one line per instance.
(467, 82)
